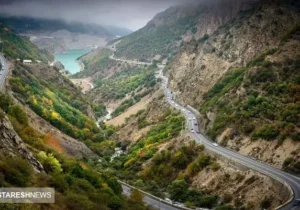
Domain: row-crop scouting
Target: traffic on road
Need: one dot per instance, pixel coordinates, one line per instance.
(192, 125)
(290, 181)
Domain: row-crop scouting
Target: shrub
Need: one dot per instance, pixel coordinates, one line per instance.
(204, 38)
(50, 163)
(5, 102)
(18, 113)
(215, 166)
(178, 190)
(267, 132)
(16, 171)
(288, 161)
(227, 198)
(224, 207)
(79, 202)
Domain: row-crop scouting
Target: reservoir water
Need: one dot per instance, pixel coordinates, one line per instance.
(68, 59)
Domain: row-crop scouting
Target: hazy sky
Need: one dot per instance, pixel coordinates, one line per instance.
(132, 14)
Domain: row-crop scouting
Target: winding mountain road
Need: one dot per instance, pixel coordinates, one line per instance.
(290, 181)
(3, 73)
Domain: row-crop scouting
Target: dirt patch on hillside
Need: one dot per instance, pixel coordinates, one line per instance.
(119, 120)
(85, 84)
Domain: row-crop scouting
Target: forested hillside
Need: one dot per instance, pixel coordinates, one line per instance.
(30, 158)
(15, 46)
(167, 32)
(30, 162)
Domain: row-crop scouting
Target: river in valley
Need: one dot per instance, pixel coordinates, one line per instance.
(69, 59)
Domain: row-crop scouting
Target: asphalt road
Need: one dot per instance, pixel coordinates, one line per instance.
(192, 124)
(3, 73)
(151, 201)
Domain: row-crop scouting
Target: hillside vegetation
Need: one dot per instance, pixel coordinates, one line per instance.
(161, 159)
(15, 46)
(157, 38)
(169, 30)
(57, 100)
(96, 63)
(243, 80)
(77, 186)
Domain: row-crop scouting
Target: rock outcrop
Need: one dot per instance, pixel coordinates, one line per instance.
(11, 144)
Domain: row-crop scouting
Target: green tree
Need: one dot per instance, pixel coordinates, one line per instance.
(50, 163)
(135, 201)
(18, 113)
(178, 190)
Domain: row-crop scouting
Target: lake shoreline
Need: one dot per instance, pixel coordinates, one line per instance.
(71, 60)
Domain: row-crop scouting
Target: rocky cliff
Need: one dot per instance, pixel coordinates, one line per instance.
(237, 63)
(12, 145)
(201, 63)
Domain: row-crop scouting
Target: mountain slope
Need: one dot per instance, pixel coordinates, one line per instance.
(163, 36)
(162, 159)
(30, 158)
(31, 163)
(57, 36)
(235, 78)
(15, 46)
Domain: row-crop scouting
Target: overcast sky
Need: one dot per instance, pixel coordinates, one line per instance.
(132, 14)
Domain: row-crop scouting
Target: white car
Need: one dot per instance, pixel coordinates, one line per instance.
(194, 118)
(190, 118)
(215, 144)
(193, 131)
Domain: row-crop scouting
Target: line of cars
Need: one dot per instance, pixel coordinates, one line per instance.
(192, 121)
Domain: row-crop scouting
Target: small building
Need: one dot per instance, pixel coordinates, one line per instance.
(27, 61)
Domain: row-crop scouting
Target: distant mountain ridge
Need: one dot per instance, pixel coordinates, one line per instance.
(26, 24)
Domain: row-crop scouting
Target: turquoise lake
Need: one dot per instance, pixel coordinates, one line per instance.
(68, 59)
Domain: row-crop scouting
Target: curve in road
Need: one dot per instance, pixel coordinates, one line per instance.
(292, 182)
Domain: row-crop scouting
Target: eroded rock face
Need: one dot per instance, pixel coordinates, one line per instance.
(200, 64)
(11, 144)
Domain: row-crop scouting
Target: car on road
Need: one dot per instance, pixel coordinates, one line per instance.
(193, 131)
(178, 204)
(169, 201)
(190, 118)
(296, 202)
(194, 118)
(215, 144)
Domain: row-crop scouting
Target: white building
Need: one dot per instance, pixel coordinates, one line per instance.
(27, 61)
